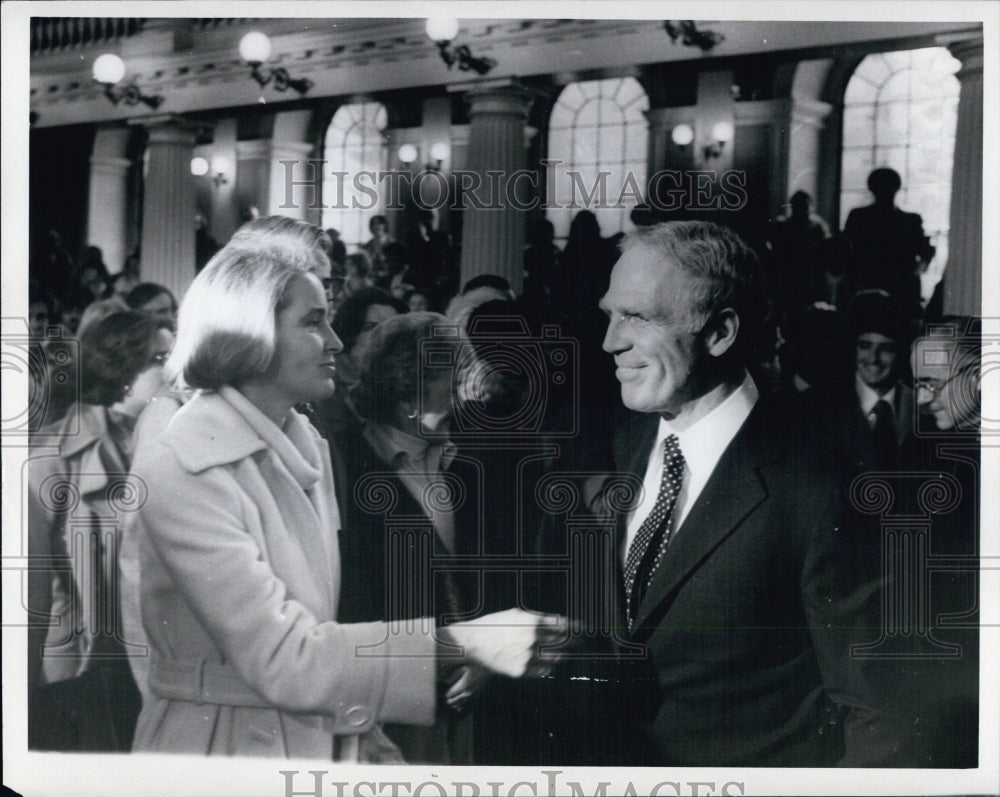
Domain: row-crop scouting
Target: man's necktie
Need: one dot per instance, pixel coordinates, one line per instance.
(883, 434)
(650, 541)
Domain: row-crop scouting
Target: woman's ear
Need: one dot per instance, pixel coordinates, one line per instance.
(721, 331)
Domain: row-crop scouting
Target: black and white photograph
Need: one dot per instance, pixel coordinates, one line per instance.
(497, 399)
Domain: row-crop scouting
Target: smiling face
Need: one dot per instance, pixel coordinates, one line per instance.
(876, 360)
(302, 368)
(661, 364)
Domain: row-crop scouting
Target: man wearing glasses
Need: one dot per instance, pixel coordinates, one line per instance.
(943, 455)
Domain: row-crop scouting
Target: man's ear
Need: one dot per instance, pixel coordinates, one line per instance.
(721, 332)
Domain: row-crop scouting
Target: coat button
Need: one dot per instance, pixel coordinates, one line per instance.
(357, 716)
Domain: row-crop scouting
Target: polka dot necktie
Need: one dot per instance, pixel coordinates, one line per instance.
(651, 540)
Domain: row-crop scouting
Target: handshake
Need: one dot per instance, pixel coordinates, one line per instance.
(515, 643)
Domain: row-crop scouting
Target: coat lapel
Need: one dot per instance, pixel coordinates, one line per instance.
(733, 491)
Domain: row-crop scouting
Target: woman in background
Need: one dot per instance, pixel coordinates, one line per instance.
(399, 464)
(240, 566)
(82, 695)
(360, 313)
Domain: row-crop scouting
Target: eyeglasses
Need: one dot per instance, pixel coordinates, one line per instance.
(933, 386)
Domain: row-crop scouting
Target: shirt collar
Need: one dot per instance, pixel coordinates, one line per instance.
(868, 397)
(394, 446)
(703, 443)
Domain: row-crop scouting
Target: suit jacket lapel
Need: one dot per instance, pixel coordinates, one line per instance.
(733, 491)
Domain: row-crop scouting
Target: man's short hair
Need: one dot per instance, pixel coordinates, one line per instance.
(227, 321)
(724, 270)
(885, 180)
(874, 310)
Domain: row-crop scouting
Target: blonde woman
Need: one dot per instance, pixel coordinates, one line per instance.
(239, 564)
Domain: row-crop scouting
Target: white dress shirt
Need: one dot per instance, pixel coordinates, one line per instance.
(702, 445)
(868, 397)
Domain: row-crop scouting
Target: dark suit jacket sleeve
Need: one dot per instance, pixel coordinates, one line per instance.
(842, 594)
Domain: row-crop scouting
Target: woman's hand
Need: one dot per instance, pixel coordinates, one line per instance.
(512, 642)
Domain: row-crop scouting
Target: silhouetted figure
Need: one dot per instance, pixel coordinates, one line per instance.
(54, 268)
(91, 274)
(890, 248)
(427, 247)
(205, 246)
(587, 262)
(541, 267)
(832, 279)
(793, 246)
(374, 246)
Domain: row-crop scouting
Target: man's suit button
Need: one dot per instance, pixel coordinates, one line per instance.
(357, 716)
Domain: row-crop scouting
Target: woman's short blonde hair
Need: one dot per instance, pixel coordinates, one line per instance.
(227, 321)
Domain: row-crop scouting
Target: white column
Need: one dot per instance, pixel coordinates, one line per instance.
(493, 237)
(963, 276)
(804, 155)
(168, 207)
(108, 196)
(293, 187)
(253, 176)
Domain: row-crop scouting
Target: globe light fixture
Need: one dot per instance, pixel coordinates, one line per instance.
(682, 135)
(407, 153)
(199, 166)
(109, 70)
(442, 30)
(255, 48)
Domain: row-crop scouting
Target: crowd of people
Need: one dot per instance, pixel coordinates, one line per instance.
(333, 504)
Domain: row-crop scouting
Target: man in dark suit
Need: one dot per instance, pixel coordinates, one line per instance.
(890, 248)
(742, 572)
(867, 414)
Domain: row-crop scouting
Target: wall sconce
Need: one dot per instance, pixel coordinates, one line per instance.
(722, 132)
(440, 150)
(255, 49)
(220, 166)
(407, 153)
(690, 36)
(682, 135)
(442, 30)
(109, 71)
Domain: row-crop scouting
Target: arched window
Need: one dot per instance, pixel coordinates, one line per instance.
(599, 132)
(900, 111)
(355, 142)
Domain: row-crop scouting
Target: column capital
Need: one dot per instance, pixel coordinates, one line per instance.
(507, 100)
(281, 149)
(808, 111)
(257, 149)
(171, 129)
(970, 53)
